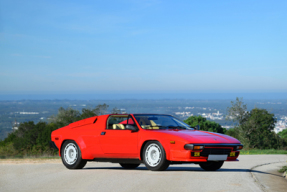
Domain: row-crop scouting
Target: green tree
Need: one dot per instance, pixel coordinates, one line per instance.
(257, 129)
(31, 137)
(86, 113)
(98, 110)
(69, 115)
(65, 117)
(101, 109)
(44, 136)
(27, 135)
(283, 134)
(254, 128)
(9, 139)
(204, 124)
(232, 132)
(238, 111)
(116, 111)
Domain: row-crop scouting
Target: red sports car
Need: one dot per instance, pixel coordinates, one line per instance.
(131, 139)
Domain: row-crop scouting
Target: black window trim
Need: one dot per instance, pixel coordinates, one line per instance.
(128, 115)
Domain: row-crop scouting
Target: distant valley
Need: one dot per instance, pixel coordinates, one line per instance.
(14, 112)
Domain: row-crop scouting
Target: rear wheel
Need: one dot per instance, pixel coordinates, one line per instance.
(71, 155)
(154, 156)
(129, 166)
(211, 166)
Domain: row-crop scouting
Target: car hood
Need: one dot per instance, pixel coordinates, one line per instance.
(195, 136)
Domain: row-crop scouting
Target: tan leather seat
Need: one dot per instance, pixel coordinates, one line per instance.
(154, 125)
(145, 123)
(118, 126)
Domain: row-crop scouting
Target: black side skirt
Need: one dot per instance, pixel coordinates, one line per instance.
(119, 160)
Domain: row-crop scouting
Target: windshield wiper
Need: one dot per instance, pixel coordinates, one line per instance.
(176, 127)
(165, 127)
(148, 126)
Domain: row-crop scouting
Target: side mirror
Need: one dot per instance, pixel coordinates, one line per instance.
(197, 127)
(131, 127)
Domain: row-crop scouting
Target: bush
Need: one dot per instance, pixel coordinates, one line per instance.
(204, 124)
(8, 150)
(283, 169)
(233, 132)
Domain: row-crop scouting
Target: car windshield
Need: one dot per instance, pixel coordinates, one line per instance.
(160, 122)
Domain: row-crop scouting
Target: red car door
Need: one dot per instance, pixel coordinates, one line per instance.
(116, 141)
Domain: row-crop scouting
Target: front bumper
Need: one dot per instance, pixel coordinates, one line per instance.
(53, 145)
(185, 155)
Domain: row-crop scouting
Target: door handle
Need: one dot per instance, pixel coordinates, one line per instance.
(103, 133)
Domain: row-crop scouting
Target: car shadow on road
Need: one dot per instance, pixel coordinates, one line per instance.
(115, 168)
(195, 169)
(177, 168)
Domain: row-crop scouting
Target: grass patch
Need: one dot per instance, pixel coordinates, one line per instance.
(283, 169)
(8, 151)
(262, 151)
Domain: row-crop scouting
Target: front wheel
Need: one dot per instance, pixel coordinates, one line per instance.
(71, 155)
(211, 166)
(129, 166)
(154, 156)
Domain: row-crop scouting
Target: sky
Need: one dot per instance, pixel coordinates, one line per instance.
(144, 47)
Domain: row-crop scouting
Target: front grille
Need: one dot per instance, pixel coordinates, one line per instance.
(215, 151)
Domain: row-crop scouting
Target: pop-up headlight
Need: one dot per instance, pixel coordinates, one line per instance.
(192, 147)
(188, 147)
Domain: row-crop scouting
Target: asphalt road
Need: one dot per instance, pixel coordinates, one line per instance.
(51, 175)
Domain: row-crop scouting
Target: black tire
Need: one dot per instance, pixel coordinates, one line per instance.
(211, 166)
(71, 155)
(129, 166)
(154, 156)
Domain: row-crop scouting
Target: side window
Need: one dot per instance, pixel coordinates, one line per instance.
(119, 122)
(130, 121)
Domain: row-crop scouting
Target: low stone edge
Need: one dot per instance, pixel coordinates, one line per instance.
(257, 181)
